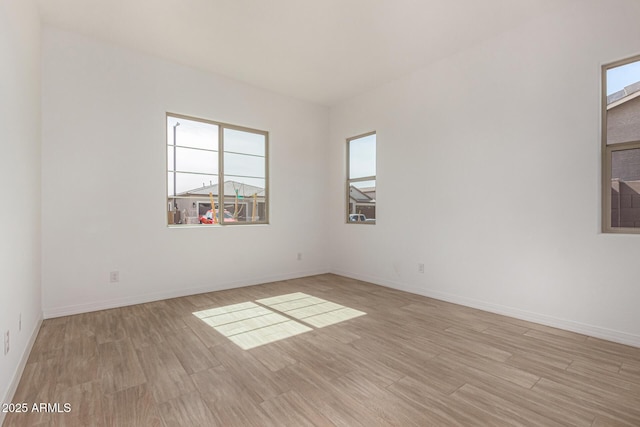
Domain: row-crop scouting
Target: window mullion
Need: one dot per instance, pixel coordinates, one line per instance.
(193, 148)
(364, 178)
(220, 176)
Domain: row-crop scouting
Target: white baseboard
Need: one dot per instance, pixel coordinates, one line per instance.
(568, 325)
(13, 385)
(69, 310)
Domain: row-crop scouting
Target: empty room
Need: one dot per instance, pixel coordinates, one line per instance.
(337, 213)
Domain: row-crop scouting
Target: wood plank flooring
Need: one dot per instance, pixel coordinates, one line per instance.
(410, 361)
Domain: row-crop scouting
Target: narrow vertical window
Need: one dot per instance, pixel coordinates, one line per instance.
(361, 179)
(621, 146)
(216, 173)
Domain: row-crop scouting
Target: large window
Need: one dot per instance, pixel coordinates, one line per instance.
(621, 146)
(207, 187)
(361, 179)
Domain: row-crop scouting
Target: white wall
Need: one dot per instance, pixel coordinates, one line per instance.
(481, 158)
(20, 291)
(489, 174)
(104, 173)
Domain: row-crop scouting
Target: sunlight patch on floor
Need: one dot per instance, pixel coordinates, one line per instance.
(312, 310)
(269, 334)
(250, 325)
(226, 309)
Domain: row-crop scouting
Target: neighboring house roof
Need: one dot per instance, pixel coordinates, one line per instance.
(369, 191)
(230, 188)
(358, 196)
(620, 97)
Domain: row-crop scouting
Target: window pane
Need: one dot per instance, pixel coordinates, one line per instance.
(623, 103)
(191, 183)
(199, 161)
(205, 213)
(362, 202)
(244, 187)
(625, 188)
(244, 142)
(241, 192)
(237, 165)
(620, 77)
(191, 133)
(245, 209)
(362, 157)
(184, 210)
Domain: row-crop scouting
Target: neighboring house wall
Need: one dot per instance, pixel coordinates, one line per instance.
(625, 164)
(368, 210)
(623, 125)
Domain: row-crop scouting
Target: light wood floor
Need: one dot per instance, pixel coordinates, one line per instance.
(409, 361)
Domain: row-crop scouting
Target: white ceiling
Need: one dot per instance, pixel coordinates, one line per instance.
(321, 51)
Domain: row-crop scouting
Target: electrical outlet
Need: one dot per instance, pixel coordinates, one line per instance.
(6, 342)
(114, 277)
(299, 256)
(420, 267)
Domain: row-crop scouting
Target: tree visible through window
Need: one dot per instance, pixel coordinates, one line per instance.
(621, 146)
(361, 179)
(205, 187)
